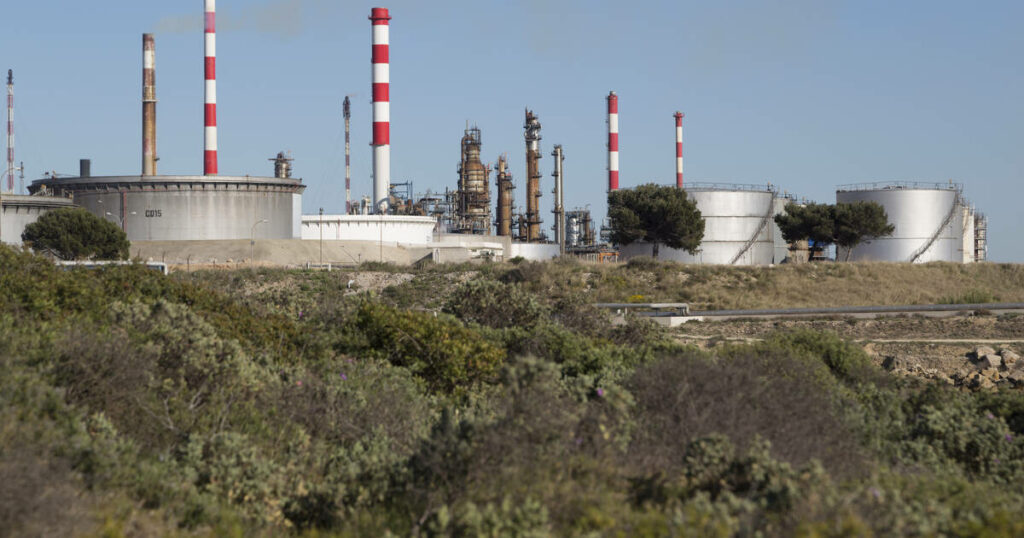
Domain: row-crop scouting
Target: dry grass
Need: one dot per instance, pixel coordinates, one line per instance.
(805, 285)
(704, 287)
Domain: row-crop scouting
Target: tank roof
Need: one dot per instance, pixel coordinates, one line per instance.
(709, 186)
(65, 183)
(900, 185)
(35, 201)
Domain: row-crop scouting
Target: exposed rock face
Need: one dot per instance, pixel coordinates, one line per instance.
(990, 360)
(981, 351)
(981, 368)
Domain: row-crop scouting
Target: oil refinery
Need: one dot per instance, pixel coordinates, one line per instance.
(932, 222)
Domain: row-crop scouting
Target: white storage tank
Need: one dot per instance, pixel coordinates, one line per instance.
(189, 208)
(18, 211)
(928, 219)
(738, 226)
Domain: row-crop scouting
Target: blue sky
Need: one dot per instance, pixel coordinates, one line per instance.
(805, 94)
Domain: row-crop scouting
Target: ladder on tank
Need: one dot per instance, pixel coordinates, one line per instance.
(935, 236)
(753, 238)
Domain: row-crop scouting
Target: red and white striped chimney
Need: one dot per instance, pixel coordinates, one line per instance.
(613, 141)
(379, 18)
(679, 148)
(210, 115)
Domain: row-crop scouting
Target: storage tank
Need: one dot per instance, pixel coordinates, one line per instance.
(187, 208)
(928, 219)
(18, 211)
(738, 226)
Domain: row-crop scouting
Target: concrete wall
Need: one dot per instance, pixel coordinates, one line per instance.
(534, 251)
(395, 229)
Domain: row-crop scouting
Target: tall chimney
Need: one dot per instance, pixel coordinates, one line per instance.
(613, 141)
(84, 168)
(210, 114)
(679, 148)
(346, 110)
(10, 130)
(148, 105)
(379, 18)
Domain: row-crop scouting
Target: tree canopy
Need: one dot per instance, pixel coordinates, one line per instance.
(76, 234)
(656, 214)
(843, 224)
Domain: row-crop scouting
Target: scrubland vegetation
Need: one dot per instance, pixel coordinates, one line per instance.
(490, 403)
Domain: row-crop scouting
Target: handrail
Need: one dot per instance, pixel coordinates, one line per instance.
(897, 185)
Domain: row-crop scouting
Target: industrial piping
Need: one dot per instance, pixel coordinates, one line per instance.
(679, 148)
(379, 18)
(613, 141)
(210, 112)
(10, 130)
(148, 105)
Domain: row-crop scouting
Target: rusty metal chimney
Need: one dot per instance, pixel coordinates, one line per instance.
(148, 105)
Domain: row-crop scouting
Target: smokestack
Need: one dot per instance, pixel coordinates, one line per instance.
(679, 148)
(381, 108)
(148, 105)
(346, 109)
(210, 114)
(10, 130)
(84, 168)
(613, 141)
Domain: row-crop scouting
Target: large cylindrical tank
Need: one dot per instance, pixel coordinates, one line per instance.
(188, 208)
(738, 227)
(18, 211)
(781, 248)
(927, 221)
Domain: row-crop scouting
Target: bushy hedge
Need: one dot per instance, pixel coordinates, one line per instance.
(134, 403)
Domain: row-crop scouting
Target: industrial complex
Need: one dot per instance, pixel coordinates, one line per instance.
(475, 220)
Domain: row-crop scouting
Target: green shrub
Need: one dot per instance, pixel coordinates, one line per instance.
(495, 304)
(847, 361)
(446, 355)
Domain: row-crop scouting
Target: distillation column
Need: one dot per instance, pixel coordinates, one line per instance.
(474, 206)
(505, 187)
(559, 207)
(533, 174)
